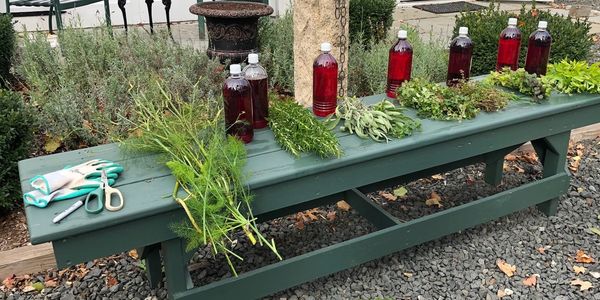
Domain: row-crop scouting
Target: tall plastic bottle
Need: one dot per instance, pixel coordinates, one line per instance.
(325, 81)
(258, 78)
(237, 95)
(509, 46)
(399, 64)
(461, 52)
(538, 50)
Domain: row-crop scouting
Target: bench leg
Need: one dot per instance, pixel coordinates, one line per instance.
(176, 270)
(552, 153)
(151, 256)
(50, 20)
(494, 165)
(201, 25)
(107, 13)
(167, 4)
(149, 4)
(121, 5)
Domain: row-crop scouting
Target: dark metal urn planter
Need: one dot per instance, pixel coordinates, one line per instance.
(232, 27)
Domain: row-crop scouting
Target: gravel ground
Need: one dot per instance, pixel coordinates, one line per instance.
(460, 266)
(595, 4)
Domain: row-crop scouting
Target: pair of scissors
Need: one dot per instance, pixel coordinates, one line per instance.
(102, 197)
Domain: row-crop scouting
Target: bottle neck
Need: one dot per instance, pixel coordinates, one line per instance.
(463, 35)
(512, 26)
(541, 29)
(236, 76)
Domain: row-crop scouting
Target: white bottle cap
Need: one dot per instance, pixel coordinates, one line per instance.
(235, 69)
(252, 58)
(402, 34)
(543, 25)
(463, 30)
(326, 47)
(512, 21)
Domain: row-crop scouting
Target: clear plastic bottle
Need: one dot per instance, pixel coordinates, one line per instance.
(461, 52)
(258, 78)
(325, 82)
(509, 46)
(399, 64)
(538, 50)
(237, 94)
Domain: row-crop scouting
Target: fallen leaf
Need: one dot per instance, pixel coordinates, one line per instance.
(506, 268)
(300, 224)
(583, 285)
(519, 169)
(578, 270)
(28, 289)
(133, 254)
(343, 205)
(595, 274)
(387, 196)
(434, 199)
(541, 250)
(51, 283)
(437, 177)
(505, 167)
(52, 143)
(331, 216)
(531, 280)
(9, 282)
(595, 230)
(581, 257)
(38, 286)
(111, 281)
(504, 293)
(510, 157)
(400, 192)
(407, 274)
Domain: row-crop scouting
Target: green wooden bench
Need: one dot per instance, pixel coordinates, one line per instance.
(285, 185)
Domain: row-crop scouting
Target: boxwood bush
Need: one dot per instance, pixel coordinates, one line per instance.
(571, 38)
(370, 20)
(15, 139)
(7, 47)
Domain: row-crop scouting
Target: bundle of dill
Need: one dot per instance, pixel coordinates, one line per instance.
(297, 131)
(207, 165)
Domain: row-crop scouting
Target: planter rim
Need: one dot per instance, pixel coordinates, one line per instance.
(231, 9)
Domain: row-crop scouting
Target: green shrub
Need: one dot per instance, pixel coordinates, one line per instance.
(570, 37)
(370, 20)
(276, 40)
(367, 66)
(84, 88)
(15, 139)
(7, 46)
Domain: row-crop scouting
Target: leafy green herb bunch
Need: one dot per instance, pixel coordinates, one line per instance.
(573, 77)
(521, 81)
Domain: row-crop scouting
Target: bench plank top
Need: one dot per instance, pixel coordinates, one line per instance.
(147, 184)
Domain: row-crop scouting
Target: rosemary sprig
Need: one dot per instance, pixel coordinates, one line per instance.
(297, 131)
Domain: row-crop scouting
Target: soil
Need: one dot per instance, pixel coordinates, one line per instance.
(14, 230)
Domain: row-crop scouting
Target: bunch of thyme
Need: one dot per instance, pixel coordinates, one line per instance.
(297, 131)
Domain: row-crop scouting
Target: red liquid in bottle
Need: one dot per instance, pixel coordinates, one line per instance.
(325, 81)
(399, 64)
(257, 76)
(237, 94)
(461, 52)
(509, 46)
(538, 50)
(260, 102)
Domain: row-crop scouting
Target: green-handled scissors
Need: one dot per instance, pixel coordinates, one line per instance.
(103, 197)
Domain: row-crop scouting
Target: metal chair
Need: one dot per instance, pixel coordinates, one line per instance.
(57, 6)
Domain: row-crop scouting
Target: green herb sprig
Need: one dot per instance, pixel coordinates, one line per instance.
(520, 80)
(207, 166)
(379, 122)
(297, 131)
(574, 77)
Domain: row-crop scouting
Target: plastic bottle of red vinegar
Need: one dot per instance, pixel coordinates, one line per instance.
(325, 81)
(237, 94)
(461, 52)
(258, 78)
(509, 46)
(399, 64)
(538, 50)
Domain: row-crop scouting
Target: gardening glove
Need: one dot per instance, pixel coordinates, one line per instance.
(51, 182)
(73, 190)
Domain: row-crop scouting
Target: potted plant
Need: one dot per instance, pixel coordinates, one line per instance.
(232, 27)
